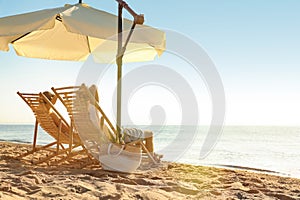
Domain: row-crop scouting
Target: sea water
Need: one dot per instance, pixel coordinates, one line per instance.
(270, 149)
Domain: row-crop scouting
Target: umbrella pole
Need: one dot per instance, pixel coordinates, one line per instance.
(138, 19)
(119, 63)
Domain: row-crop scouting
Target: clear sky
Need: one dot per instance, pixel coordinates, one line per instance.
(255, 45)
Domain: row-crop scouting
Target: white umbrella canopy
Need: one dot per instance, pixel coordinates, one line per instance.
(72, 32)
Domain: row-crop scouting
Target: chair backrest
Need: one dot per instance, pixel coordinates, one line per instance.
(49, 118)
(82, 108)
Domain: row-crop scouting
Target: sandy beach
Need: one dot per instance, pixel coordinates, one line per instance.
(73, 180)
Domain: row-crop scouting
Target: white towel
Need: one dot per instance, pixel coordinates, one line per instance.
(132, 134)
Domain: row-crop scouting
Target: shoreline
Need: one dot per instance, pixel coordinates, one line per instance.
(22, 180)
(221, 166)
(255, 170)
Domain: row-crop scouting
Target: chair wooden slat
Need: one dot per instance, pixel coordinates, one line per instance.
(40, 105)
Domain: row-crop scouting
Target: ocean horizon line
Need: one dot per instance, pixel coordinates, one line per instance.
(201, 125)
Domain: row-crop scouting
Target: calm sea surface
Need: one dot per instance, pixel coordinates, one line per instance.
(268, 148)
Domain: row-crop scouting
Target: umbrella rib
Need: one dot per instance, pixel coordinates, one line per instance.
(88, 43)
(128, 37)
(20, 37)
(57, 18)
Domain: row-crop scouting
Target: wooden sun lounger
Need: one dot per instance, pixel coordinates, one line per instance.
(79, 114)
(67, 141)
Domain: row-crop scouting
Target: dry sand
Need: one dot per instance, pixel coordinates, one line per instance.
(69, 180)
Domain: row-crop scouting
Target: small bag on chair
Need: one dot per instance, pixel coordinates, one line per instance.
(121, 158)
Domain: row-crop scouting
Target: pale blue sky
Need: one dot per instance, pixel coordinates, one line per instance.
(255, 45)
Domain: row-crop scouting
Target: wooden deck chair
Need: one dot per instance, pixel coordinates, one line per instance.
(98, 135)
(68, 143)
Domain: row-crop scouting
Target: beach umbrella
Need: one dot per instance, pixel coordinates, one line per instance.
(72, 32)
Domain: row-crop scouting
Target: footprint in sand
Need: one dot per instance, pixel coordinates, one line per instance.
(145, 182)
(225, 181)
(111, 197)
(53, 191)
(197, 181)
(125, 181)
(185, 190)
(280, 196)
(255, 180)
(156, 178)
(6, 187)
(181, 188)
(36, 179)
(253, 191)
(239, 186)
(79, 189)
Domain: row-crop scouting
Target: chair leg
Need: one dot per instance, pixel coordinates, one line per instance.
(35, 135)
(36, 150)
(71, 138)
(69, 156)
(66, 151)
(58, 139)
(149, 154)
